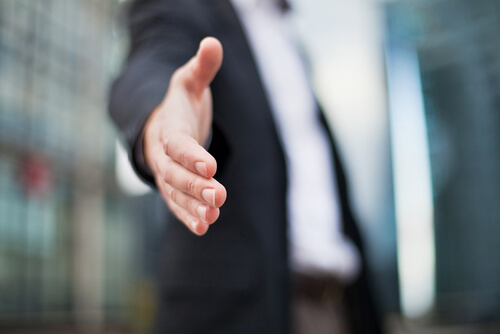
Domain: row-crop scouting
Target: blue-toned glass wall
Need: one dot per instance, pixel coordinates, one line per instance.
(66, 250)
(459, 54)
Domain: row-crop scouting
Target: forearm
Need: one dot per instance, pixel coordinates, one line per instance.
(160, 43)
(134, 95)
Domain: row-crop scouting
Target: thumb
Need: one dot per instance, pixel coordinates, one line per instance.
(202, 68)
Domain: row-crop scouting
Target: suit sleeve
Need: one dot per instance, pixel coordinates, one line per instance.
(163, 35)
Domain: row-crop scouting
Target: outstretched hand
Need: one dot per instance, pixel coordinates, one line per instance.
(173, 139)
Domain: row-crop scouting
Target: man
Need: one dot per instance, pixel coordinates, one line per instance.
(263, 239)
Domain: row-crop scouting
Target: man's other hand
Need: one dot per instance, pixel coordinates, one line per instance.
(173, 139)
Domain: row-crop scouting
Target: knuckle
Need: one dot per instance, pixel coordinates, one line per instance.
(193, 206)
(191, 186)
(167, 176)
(166, 146)
(167, 172)
(184, 158)
(173, 194)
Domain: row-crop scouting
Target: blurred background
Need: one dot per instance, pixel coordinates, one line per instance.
(411, 88)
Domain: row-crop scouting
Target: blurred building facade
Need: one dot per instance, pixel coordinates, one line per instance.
(458, 50)
(68, 236)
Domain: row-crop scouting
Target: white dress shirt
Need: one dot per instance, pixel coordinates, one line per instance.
(317, 244)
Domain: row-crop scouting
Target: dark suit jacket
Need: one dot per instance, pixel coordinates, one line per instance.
(235, 279)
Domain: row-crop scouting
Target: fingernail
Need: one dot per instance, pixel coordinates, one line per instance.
(202, 211)
(194, 224)
(209, 196)
(201, 167)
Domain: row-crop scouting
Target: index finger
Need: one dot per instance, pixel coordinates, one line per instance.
(185, 150)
